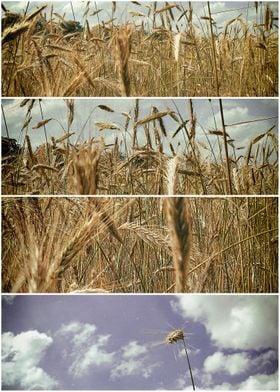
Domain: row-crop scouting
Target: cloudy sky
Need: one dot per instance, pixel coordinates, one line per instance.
(87, 114)
(116, 342)
(223, 11)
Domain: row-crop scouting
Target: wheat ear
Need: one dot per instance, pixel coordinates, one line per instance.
(179, 226)
(122, 52)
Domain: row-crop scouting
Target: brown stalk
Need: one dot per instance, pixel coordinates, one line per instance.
(179, 225)
(213, 50)
(85, 164)
(226, 148)
(122, 52)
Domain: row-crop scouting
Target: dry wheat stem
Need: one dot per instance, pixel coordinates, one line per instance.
(179, 225)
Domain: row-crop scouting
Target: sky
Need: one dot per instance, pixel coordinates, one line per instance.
(222, 11)
(116, 342)
(87, 114)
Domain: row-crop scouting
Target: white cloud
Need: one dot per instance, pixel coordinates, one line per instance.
(133, 349)
(86, 359)
(231, 115)
(134, 361)
(217, 6)
(72, 327)
(235, 114)
(86, 348)
(21, 356)
(233, 363)
(243, 133)
(182, 384)
(225, 386)
(236, 322)
(257, 382)
(237, 363)
(81, 332)
(202, 378)
(37, 378)
(127, 368)
(261, 382)
(133, 367)
(252, 367)
(192, 350)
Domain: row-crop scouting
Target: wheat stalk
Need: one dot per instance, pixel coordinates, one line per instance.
(85, 163)
(179, 225)
(122, 52)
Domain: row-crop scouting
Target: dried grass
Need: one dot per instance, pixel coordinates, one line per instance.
(136, 245)
(128, 167)
(130, 60)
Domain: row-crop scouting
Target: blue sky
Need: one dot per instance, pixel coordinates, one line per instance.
(116, 342)
(87, 114)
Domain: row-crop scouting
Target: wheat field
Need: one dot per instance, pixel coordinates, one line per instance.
(134, 245)
(135, 152)
(163, 49)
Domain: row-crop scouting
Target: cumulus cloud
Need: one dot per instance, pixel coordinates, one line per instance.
(260, 382)
(133, 367)
(205, 379)
(133, 349)
(257, 382)
(182, 384)
(238, 363)
(130, 367)
(236, 112)
(21, 356)
(236, 322)
(80, 333)
(134, 361)
(86, 348)
(232, 115)
(218, 6)
(233, 363)
(37, 378)
(93, 356)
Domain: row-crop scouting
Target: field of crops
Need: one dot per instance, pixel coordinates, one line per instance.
(139, 244)
(140, 154)
(159, 51)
